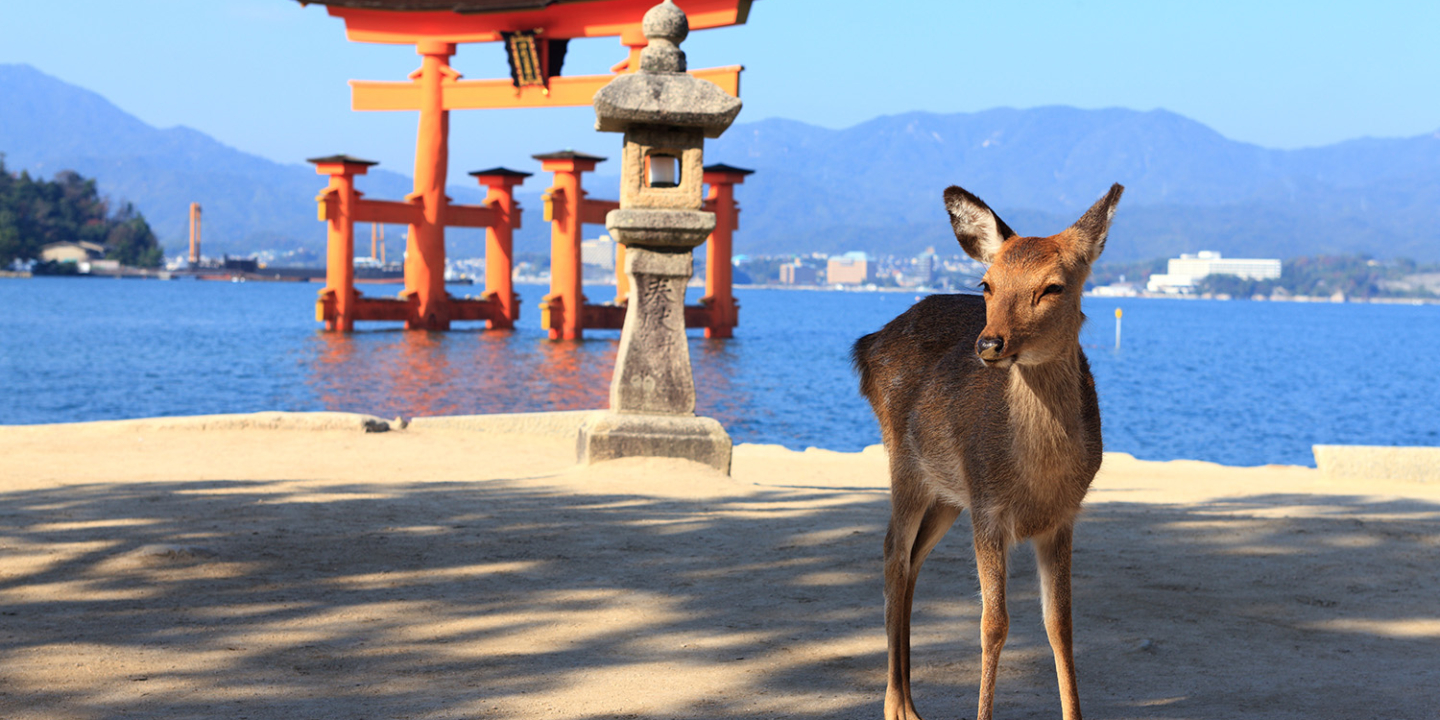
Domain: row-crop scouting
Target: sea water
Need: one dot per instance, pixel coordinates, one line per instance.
(1239, 382)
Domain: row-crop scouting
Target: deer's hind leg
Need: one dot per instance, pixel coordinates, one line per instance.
(917, 523)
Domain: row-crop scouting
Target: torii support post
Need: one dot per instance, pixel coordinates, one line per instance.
(499, 243)
(562, 312)
(337, 303)
(724, 312)
(425, 247)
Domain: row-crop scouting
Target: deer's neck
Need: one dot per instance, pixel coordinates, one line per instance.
(1047, 416)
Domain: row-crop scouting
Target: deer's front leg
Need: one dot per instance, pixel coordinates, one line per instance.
(1052, 556)
(990, 549)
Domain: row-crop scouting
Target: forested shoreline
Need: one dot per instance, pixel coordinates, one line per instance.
(35, 213)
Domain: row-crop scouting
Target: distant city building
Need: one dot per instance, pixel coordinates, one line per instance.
(1121, 289)
(852, 268)
(919, 272)
(927, 263)
(1173, 284)
(600, 252)
(1209, 262)
(1182, 272)
(238, 264)
(796, 274)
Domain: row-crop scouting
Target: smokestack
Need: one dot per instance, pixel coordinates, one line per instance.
(194, 234)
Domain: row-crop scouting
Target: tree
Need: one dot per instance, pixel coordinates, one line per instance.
(131, 241)
(35, 213)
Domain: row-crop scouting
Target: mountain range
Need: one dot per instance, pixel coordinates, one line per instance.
(874, 187)
(878, 185)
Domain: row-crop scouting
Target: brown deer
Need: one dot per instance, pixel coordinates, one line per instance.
(988, 404)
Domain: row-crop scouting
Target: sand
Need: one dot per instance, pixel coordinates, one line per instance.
(428, 573)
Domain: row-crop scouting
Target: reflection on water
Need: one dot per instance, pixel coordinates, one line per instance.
(719, 391)
(414, 374)
(399, 373)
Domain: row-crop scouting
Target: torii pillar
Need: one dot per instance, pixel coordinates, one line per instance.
(724, 311)
(339, 291)
(500, 242)
(425, 246)
(562, 312)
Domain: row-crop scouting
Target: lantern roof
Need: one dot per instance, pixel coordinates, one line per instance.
(662, 93)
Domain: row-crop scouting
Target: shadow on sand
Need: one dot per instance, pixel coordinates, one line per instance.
(292, 600)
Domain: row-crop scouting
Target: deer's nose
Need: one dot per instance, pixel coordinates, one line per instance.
(990, 347)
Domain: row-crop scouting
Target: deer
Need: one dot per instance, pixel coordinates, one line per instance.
(987, 403)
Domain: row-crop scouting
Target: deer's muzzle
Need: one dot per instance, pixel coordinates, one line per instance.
(991, 349)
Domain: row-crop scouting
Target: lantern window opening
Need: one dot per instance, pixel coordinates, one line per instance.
(662, 170)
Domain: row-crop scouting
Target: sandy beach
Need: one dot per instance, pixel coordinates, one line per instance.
(192, 571)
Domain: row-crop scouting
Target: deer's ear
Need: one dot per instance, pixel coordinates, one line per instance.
(977, 227)
(1094, 226)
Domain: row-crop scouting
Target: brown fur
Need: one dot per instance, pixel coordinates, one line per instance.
(988, 404)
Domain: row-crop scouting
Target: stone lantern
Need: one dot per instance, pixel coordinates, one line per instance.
(665, 115)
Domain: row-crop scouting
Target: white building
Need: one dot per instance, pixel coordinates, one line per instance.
(1119, 289)
(1182, 272)
(600, 251)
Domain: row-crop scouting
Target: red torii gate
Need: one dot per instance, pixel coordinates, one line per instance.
(535, 33)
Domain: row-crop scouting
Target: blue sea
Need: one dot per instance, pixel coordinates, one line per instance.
(1239, 383)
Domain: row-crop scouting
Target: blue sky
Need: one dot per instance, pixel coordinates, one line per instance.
(269, 77)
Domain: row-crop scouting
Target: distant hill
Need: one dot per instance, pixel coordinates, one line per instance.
(874, 187)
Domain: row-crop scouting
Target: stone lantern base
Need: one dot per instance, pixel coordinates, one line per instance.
(652, 395)
(608, 435)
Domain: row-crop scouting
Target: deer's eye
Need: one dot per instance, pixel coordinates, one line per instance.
(1053, 290)
(984, 287)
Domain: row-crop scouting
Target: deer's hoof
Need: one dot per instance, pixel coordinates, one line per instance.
(900, 711)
